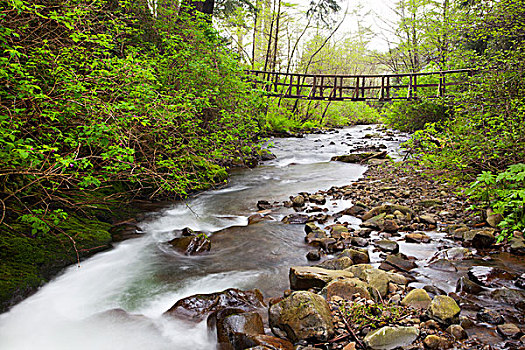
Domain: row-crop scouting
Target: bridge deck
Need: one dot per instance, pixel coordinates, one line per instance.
(338, 87)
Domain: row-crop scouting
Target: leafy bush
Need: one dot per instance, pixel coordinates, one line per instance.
(505, 193)
(412, 115)
(102, 97)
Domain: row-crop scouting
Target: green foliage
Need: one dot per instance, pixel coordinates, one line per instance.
(108, 98)
(362, 315)
(505, 193)
(412, 115)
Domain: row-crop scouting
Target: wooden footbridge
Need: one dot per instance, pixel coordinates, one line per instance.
(336, 87)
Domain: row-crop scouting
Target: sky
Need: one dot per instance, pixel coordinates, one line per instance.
(380, 13)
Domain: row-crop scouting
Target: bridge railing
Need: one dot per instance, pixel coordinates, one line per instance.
(384, 87)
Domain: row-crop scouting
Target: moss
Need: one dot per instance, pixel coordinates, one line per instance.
(27, 262)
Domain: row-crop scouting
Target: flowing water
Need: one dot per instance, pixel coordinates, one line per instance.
(144, 276)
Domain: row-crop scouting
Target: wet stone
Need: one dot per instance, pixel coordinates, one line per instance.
(444, 309)
(417, 298)
(387, 246)
(509, 330)
(313, 255)
(465, 285)
(336, 264)
(490, 316)
(303, 315)
(457, 332)
(387, 338)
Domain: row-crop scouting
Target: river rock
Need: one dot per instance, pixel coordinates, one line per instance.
(313, 255)
(339, 231)
(493, 219)
(377, 279)
(375, 223)
(490, 316)
(298, 201)
(336, 264)
(417, 237)
(509, 330)
(359, 242)
(458, 253)
(417, 298)
(398, 261)
(358, 256)
(388, 246)
(444, 309)
(480, 239)
(267, 342)
(295, 219)
(255, 218)
(198, 307)
(317, 198)
(512, 297)
(465, 285)
(359, 157)
(517, 245)
(387, 209)
(306, 277)
(390, 226)
(191, 245)
(264, 205)
(457, 332)
(435, 342)
(387, 338)
(303, 315)
(315, 237)
(347, 288)
(427, 219)
(311, 227)
(357, 210)
(233, 330)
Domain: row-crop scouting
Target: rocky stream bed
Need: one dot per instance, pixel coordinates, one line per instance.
(417, 271)
(392, 260)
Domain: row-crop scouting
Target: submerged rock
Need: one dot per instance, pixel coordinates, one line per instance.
(387, 338)
(302, 315)
(191, 245)
(198, 307)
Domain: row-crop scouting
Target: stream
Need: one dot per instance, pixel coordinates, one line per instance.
(145, 276)
(82, 307)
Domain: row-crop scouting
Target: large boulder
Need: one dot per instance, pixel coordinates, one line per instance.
(302, 316)
(444, 310)
(198, 307)
(306, 277)
(387, 338)
(234, 330)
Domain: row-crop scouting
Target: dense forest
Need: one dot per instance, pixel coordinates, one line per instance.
(110, 102)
